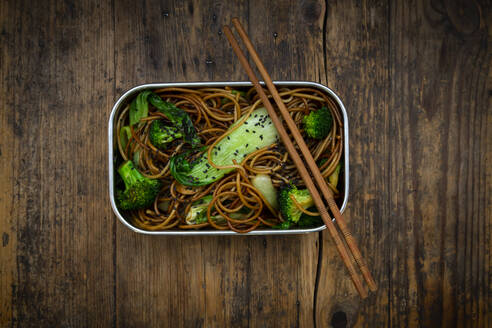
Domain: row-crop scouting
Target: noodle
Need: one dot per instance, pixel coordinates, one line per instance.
(236, 204)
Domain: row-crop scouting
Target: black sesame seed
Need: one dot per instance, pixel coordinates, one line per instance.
(228, 138)
(247, 130)
(261, 137)
(246, 122)
(247, 145)
(254, 131)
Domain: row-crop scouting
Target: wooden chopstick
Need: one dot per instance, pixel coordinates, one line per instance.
(299, 164)
(325, 190)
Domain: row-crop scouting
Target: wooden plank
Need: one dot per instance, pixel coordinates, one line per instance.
(356, 50)
(214, 281)
(421, 206)
(289, 264)
(179, 281)
(58, 88)
(415, 78)
(439, 122)
(8, 269)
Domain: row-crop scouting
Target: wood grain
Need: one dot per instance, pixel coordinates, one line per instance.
(57, 228)
(357, 68)
(241, 281)
(438, 121)
(416, 79)
(7, 231)
(422, 205)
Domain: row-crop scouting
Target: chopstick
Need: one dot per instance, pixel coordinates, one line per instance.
(327, 193)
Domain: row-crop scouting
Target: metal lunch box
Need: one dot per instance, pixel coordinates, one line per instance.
(112, 148)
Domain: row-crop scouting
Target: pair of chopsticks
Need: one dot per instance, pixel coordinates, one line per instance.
(327, 193)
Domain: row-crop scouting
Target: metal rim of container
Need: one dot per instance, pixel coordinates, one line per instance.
(138, 88)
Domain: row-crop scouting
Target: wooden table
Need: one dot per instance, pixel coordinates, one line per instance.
(416, 81)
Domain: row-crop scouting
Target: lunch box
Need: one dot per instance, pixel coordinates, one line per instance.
(113, 149)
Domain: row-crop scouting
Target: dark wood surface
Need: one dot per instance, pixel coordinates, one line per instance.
(416, 79)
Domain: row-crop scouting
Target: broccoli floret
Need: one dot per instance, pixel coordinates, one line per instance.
(283, 226)
(305, 221)
(140, 191)
(139, 108)
(308, 221)
(288, 208)
(318, 123)
(178, 117)
(160, 134)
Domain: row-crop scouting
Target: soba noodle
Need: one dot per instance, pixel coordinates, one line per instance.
(213, 111)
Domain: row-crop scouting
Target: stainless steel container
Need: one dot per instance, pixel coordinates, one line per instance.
(127, 96)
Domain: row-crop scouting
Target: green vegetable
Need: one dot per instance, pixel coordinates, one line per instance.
(136, 158)
(263, 183)
(288, 208)
(234, 92)
(255, 133)
(164, 205)
(160, 134)
(178, 117)
(125, 135)
(333, 178)
(308, 221)
(305, 221)
(198, 211)
(140, 191)
(283, 226)
(241, 93)
(322, 161)
(318, 123)
(139, 108)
